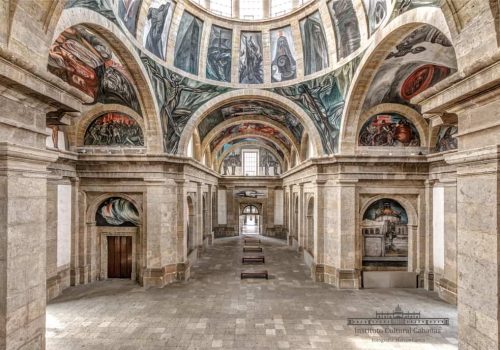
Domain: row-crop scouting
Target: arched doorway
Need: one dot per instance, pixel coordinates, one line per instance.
(310, 226)
(117, 221)
(190, 225)
(250, 220)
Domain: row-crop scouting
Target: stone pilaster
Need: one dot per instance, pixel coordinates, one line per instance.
(183, 267)
(300, 218)
(428, 254)
(478, 246)
(348, 273)
(200, 230)
(23, 217)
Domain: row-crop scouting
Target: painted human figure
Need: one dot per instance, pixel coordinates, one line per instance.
(309, 98)
(251, 70)
(283, 65)
(157, 18)
(175, 117)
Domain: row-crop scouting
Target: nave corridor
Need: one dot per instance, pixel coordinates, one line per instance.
(215, 309)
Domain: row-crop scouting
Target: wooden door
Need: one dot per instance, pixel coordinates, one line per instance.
(119, 257)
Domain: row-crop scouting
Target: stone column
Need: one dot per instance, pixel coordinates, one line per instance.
(232, 210)
(200, 230)
(301, 218)
(155, 195)
(23, 219)
(428, 253)
(236, 8)
(76, 219)
(348, 274)
(183, 267)
(448, 283)
(266, 9)
(319, 232)
(209, 208)
(478, 246)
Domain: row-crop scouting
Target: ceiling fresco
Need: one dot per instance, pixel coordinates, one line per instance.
(251, 109)
(178, 97)
(422, 59)
(250, 128)
(85, 61)
(419, 61)
(323, 100)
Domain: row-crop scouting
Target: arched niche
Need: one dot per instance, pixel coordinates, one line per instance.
(388, 130)
(386, 232)
(114, 129)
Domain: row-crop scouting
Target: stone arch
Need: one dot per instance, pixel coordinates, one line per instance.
(94, 205)
(250, 94)
(238, 120)
(120, 44)
(418, 121)
(383, 41)
(411, 211)
(197, 150)
(78, 136)
(304, 146)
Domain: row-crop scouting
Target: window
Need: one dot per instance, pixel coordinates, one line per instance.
(250, 163)
(280, 7)
(221, 7)
(251, 9)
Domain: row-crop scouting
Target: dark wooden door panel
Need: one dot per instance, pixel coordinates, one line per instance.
(119, 256)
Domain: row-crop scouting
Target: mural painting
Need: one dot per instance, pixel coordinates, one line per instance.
(314, 44)
(178, 97)
(401, 6)
(283, 63)
(346, 27)
(446, 139)
(389, 130)
(219, 54)
(114, 129)
(231, 165)
(250, 128)
(268, 163)
(85, 61)
(323, 100)
(187, 46)
(422, 59)
(157, 27)
(251, 193)
(100, 6)
(376, 12)
(385, 233)
(251, 70)
(128, 11)
(117, 211)
(254, 108)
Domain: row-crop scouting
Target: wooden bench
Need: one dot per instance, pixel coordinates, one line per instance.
(253, 259)
(251, 248)
(252, 240)
(254, 274)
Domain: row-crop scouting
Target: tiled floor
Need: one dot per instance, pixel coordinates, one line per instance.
(217, 310)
